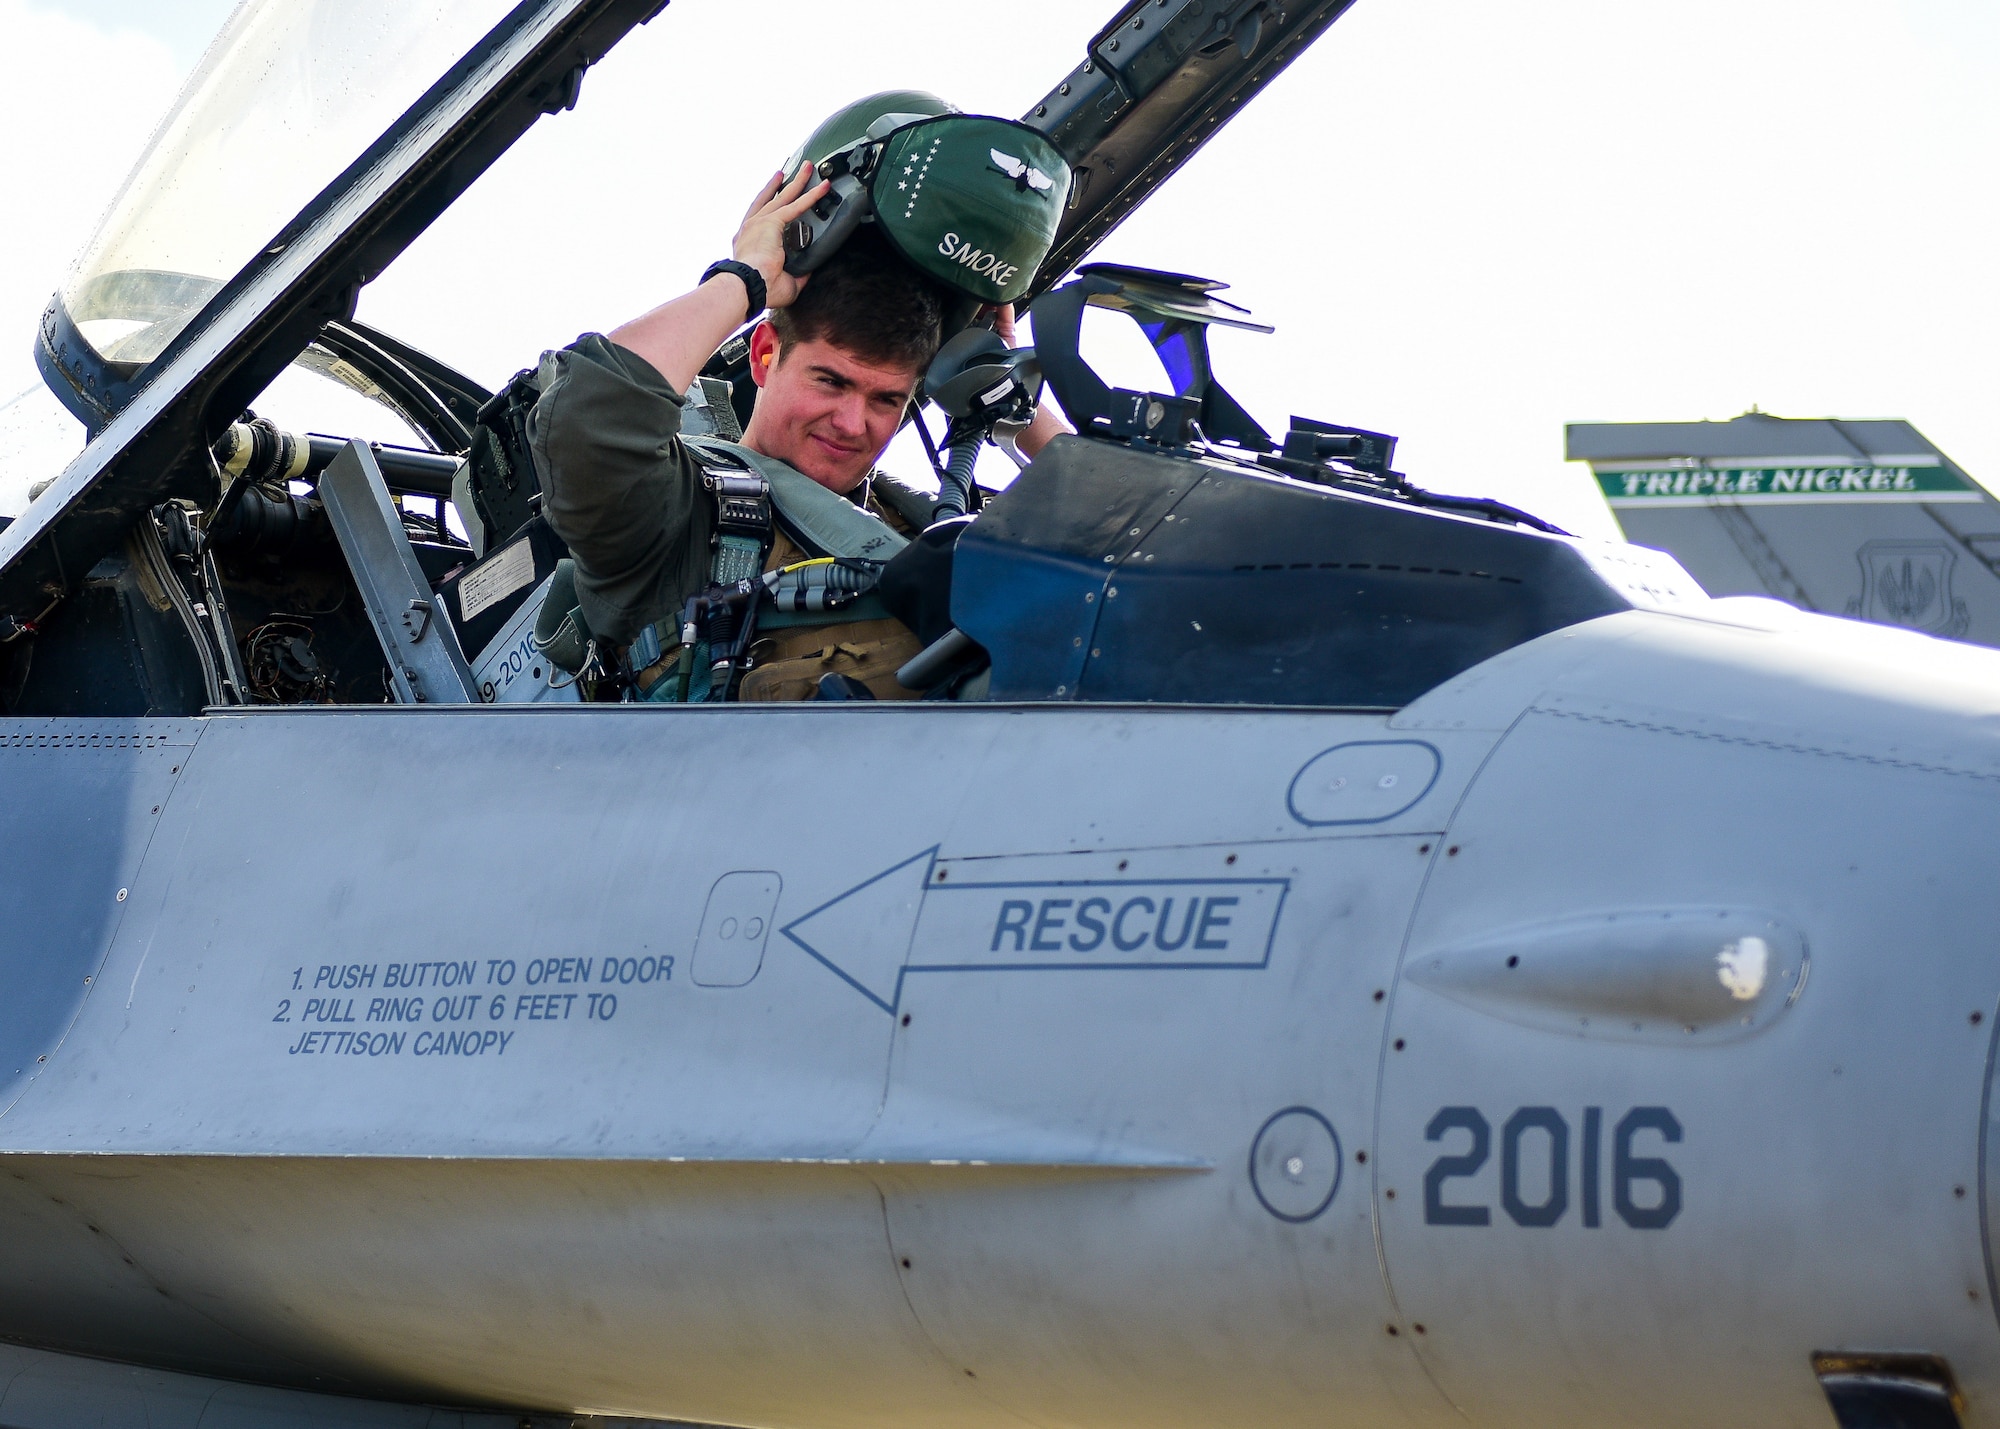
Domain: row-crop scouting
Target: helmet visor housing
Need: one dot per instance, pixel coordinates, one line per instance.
(864, 119)
(971, 201)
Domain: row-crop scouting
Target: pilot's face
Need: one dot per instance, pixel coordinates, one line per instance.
(823, 410)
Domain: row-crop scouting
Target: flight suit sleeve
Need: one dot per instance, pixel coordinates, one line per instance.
(618, 486)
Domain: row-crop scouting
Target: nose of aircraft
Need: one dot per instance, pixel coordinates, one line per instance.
(1592, 1147)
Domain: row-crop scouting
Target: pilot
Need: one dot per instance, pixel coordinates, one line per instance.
(646, 510)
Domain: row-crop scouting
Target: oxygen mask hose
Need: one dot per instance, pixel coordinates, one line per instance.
(979, 382)
(955, 487)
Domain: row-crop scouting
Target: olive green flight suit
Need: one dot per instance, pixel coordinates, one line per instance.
(626, 496)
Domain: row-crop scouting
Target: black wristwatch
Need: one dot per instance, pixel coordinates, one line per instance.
(752, 280)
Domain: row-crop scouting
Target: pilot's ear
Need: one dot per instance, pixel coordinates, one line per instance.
(763, 353)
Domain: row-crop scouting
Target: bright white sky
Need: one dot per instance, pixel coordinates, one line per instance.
(1470, 222)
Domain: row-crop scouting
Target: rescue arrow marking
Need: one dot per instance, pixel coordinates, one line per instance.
(869, 928)
(903, 921)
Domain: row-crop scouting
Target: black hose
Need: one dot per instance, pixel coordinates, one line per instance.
(955, 486)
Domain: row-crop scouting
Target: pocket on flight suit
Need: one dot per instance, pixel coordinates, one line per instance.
(790, 662)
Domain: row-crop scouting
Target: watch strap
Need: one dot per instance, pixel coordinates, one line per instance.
(752, 280)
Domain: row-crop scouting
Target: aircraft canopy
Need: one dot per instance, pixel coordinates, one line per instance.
(288, 97)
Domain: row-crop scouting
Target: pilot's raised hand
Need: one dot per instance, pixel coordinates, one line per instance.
(677, 337)
(1048, 423)
(760, 242)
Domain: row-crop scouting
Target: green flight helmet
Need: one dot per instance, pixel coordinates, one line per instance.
(847, 127)
(969, 200)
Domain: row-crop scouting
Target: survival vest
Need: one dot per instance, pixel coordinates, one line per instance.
(790, 598)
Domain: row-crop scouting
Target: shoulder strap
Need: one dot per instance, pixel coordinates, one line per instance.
(823, 523)
(742, 543)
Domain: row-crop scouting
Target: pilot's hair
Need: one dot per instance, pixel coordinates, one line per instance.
(869, 302)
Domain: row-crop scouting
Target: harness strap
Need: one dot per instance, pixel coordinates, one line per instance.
(718, 624)
(699, 657)
(821, 522)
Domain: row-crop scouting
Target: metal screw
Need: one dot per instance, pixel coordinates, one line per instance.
(121, 894)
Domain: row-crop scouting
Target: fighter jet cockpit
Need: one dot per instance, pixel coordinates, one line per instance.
(1271, 944)
(201, 554)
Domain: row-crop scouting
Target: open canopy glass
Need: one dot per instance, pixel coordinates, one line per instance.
(290, 94)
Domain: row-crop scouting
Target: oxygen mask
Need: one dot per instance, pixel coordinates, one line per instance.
(986, 389)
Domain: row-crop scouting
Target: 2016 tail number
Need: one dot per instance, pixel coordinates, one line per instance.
(1535, 1168)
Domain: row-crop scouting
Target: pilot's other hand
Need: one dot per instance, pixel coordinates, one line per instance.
(760, 242)
(1003, 324)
